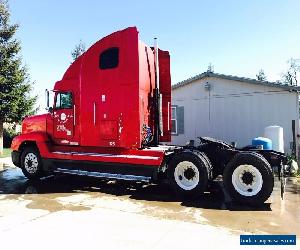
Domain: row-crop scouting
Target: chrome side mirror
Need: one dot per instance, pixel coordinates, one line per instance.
(48, 108)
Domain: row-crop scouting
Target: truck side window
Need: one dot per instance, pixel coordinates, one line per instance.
(109, 58)
(63, 101)
(174, 120)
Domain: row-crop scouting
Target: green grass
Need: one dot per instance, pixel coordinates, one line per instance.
(6, 153)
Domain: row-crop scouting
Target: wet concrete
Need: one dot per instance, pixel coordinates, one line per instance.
(214, 208)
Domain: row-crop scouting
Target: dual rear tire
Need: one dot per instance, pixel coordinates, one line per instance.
(189, 174)
(248, 177)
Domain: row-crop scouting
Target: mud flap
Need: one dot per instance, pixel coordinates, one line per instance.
(282, 179)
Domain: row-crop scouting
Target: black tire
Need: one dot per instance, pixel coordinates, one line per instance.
(247, 180)
(203, 166)
(32, 168)
(208, 164)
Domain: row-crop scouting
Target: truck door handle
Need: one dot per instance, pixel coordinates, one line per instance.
(94, 113)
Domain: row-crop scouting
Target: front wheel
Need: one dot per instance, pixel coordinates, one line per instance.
(248, 178)
(31, 163)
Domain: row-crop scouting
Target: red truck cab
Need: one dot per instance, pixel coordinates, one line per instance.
(103, 110)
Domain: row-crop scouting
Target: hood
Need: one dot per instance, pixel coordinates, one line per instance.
(34, 123)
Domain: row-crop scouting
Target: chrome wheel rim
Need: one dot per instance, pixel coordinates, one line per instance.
(31, 163)
(247, 180)
(186, 175)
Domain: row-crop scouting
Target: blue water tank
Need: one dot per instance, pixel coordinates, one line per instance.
(266, 143)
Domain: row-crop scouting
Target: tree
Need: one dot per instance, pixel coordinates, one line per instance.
(15, 86)
(261, 76)
(210, 68)
(78, 50)
(290, 77)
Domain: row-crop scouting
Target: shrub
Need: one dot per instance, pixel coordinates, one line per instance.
(8, 135)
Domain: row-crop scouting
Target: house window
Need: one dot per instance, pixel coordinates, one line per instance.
(63, 101)
(174, 120)
(299, 105)
(109, 58)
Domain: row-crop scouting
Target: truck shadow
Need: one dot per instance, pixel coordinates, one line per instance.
(215, 198)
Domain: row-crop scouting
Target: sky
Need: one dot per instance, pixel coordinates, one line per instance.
(237, 37)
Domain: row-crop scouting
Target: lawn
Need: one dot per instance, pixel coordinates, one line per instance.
(6, 152)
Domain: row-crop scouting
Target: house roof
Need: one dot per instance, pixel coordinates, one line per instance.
(235, 78)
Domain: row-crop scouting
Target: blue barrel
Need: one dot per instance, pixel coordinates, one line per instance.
(265, 143)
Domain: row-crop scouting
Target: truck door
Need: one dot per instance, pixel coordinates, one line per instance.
(63, 119)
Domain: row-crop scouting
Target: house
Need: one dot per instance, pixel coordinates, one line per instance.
(231, 108)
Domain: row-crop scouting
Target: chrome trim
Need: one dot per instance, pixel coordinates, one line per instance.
(104, 175)
(47, 99)
(161, 122)
(74, 115)
(144, 157)
(94, 113)
(169, 116)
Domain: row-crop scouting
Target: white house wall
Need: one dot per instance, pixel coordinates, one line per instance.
(234, 111)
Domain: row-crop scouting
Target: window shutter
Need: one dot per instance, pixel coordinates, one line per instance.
(180, 119)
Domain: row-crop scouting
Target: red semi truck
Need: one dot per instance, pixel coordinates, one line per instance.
(110, 115)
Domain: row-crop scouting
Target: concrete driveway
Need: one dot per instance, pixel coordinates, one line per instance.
(71, 213)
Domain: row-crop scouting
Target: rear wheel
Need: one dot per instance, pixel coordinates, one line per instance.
(31, 163)
(248, 178)
(188, 174)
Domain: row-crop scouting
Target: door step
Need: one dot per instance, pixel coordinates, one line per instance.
(103, 175)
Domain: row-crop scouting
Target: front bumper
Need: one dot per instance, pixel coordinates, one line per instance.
(15, 156)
